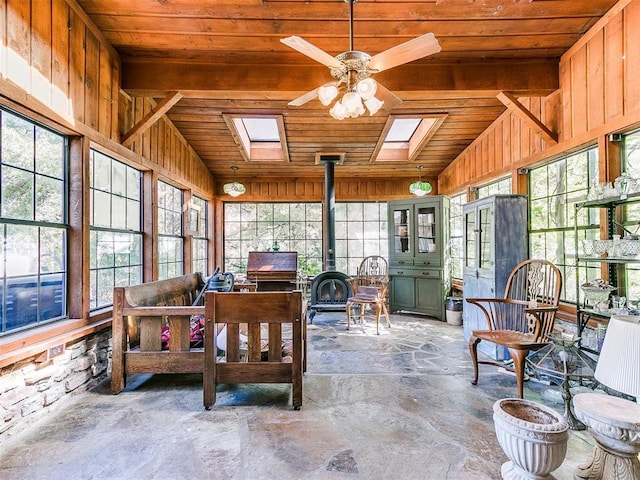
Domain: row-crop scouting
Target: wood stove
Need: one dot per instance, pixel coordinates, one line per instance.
(329, 291)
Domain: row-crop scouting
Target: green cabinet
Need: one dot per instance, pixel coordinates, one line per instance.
(419, 266)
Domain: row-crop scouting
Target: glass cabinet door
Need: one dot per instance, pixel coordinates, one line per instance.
(402, 230)
(426, 230)
(470, 233)
(484, 238)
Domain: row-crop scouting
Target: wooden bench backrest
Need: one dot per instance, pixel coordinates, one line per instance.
(181, 290)
(254, 309)
(178, 291)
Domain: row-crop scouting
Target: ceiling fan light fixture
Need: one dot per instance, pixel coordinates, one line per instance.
(235, 188)
(327, 93)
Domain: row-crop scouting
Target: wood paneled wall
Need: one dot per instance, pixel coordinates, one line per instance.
(312, 189)
(164, 147)
(61, 60)
(57, 66)
(505, 144)
(599, 94)
(599, 74)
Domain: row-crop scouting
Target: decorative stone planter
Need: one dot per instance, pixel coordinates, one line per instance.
(533, 436)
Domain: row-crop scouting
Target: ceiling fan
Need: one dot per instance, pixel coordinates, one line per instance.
(354, 69)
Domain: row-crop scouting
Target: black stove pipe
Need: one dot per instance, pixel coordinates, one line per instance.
(329, 211)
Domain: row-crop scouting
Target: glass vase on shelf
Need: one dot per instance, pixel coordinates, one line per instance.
(624, 185)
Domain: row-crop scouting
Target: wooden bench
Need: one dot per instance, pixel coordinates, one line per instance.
(264, 313)
(139, 313)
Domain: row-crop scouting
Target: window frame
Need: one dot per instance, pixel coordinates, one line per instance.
(49, 292)
(170, 213)
(105, 234)
(564, 256)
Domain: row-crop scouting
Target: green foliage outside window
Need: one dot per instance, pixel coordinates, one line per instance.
(554, 189)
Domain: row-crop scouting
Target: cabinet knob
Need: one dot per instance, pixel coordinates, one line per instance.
(425, 273)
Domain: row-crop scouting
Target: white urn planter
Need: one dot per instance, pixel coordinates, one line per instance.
(533, 436)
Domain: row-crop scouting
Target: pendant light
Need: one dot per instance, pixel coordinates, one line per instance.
(420, 188)
(235, 189)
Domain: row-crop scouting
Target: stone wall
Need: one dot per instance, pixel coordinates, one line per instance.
(30, 390)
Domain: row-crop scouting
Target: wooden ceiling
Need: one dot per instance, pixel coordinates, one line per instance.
(225, 57)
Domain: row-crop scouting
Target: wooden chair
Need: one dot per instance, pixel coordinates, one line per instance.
(278, 312)
(521, 320)
(369, 289)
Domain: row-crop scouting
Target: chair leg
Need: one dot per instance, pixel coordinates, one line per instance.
(386, 313)
(378, 311)
(348, 315)
(519, 357)
(473, 350)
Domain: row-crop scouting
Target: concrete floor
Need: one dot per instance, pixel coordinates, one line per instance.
(394, 406)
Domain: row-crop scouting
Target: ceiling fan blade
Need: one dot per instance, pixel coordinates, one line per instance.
(389, 98)
(302, 99)
(311, 51)
(406, 52)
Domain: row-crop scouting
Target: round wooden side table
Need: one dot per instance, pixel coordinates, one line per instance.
(614, 424)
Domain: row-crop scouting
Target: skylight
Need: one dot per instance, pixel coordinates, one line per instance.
(405, 136)
(402, 129)
(260, 137)
(261, 129)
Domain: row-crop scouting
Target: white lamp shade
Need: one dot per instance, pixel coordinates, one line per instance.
(338, 111)
(235, 189)
(367, 88)
(373, 105)
(619, 362)
(351, 100)
(326, 93)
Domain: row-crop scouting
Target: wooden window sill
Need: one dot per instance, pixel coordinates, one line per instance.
(29, 343)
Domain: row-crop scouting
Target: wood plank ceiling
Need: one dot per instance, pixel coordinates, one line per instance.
(225, 57)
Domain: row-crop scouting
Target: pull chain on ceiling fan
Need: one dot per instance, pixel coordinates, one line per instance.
(354, 69)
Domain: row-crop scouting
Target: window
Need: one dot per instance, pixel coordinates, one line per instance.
(116, 236)
(499, 187)
(631, 214)
(261, 138)
(554, 189)
(252, 227)
(457, 239)
(200, 253)
(361, 231)
(170, 241)
(33, 223)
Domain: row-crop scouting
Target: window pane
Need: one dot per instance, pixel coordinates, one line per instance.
(49, 199)
(50, 153)
(18, 141)
(17, 194)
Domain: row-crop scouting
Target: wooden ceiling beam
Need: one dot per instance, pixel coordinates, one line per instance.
(276, 82)
(150, 118)
(512, 103)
